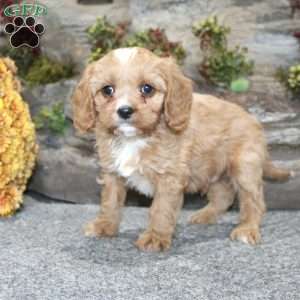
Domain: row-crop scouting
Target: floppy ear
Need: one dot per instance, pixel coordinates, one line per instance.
(179, 97)
(84, 113)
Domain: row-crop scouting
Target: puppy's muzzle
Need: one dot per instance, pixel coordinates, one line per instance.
(125, 112)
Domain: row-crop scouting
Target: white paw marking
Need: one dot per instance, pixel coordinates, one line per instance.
(243, 239)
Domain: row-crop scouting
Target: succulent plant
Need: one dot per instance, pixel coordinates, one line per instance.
(221, 66)
(43, 70)
(37, 68)
(105, 37)
(18, 148)
(52, 118)
(226, 66)
(156, 41)
(293, 79)
(290, 78)
(212, 35)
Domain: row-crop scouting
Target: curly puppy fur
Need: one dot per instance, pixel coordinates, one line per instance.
(174, 142)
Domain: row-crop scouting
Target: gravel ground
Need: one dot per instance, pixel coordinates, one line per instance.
(44, 255)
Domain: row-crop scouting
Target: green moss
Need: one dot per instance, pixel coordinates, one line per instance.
(52, 118)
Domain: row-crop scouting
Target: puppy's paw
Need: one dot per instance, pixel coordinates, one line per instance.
(100, 228)
(154, 242)
(247, 234)
(203, 216)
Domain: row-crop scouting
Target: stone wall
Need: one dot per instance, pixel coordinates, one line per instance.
(265, 27)
(67, 168)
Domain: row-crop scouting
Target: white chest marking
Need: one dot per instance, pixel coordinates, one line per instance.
(126, 155)
(125, 54)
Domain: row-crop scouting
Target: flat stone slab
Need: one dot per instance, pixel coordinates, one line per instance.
(44, 255)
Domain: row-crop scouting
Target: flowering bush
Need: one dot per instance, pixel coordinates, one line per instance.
(18, 148)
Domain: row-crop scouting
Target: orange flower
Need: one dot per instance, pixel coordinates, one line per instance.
(18, 148)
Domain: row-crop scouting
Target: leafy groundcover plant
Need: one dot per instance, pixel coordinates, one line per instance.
(36, 68)
(52, 118)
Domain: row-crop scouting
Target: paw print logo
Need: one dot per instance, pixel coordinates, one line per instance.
(24, 32)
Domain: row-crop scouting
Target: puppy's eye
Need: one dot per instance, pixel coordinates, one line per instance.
(108, 90)
(147, 89)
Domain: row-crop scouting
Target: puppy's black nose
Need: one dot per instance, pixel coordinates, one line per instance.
(125, 112)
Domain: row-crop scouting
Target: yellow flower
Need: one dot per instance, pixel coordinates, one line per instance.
(18, 148)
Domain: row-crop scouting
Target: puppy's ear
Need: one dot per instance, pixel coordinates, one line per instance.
(179, 97)
(84, 113)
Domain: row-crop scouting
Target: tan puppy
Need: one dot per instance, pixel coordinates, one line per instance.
(156, 136)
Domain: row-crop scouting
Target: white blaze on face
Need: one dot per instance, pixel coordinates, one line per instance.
(124, 55)
(124, 125)
(123, 101)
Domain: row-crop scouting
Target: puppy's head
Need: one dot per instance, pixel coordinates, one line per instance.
(129, 91)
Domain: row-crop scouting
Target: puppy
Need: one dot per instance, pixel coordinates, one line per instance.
(155, 136)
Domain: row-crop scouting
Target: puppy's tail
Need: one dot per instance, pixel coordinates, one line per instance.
(273, 173)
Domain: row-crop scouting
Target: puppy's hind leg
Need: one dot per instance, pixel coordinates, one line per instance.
(250, 191)
(220, 197)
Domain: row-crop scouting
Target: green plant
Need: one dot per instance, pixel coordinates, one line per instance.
(212, 35)
(105, 37)
(157, 41)
(290, 78)
(44, 70)
(226, 66)
(36, 68)
(221, 65)
(23, 58)
(52, 118)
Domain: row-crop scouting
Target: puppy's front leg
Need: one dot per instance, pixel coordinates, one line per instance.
(112, 200)
(164, 211)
